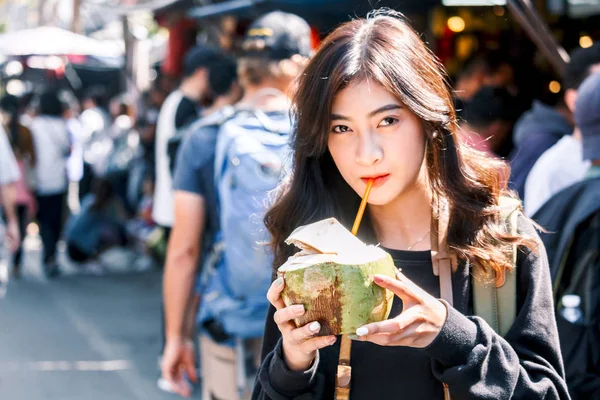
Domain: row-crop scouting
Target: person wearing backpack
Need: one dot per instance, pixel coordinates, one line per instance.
(275, 49)
(572, 222)
(373, 103)
(193, 182)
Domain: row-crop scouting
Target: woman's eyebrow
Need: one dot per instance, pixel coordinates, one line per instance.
(388, 107)
(339, 117)
(385, 108)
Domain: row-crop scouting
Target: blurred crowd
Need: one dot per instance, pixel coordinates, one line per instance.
(102, 173)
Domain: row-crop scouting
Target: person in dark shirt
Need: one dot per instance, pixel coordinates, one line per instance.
(373, 103)
(542, 126)
(488, 120)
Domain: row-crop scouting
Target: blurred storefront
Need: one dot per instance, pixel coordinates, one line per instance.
(455, 29)
(462, 28)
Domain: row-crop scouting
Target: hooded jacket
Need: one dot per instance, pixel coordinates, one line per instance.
(535, 132)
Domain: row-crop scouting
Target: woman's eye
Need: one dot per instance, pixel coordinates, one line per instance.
(388, 121)
(340, 129)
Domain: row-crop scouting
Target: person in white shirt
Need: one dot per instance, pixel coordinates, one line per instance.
(558, 167)
(179, 110)
(9, 175)
(52, 147)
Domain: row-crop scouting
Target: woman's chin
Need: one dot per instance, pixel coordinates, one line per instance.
(379, 200)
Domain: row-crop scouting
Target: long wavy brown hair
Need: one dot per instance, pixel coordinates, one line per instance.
(384, 49)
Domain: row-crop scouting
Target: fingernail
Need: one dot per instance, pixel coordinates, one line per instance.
(362, 331)
(377, 278)
(332, 341)
(298, 308)
(314, 327)
(278, 282)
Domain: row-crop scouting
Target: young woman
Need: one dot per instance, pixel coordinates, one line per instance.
(374, 103)
(52, 148)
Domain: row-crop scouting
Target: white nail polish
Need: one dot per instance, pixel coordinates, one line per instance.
(362, 331)
(315, 326)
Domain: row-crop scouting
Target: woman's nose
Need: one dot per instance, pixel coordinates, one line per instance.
(369, 151)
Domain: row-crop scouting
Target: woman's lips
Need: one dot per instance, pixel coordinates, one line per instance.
(377, 180)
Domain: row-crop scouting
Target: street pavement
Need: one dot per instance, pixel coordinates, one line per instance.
(80, 336)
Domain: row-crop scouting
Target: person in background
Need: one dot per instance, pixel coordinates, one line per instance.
(559, 167)
(96, 114)
(276, 48)
(52, 149)
(9, 175)
(98, 226)
(178, 110)
(95, 122)
(21, 141)
(482, 69)
(488, 120)
(75, 163)
(571, 219)
(540, 128)
(151, 103)
(196, 216)
(587, 117)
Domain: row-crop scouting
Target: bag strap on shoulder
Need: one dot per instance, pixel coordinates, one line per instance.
(498, 305)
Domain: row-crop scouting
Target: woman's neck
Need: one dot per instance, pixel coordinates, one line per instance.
(404, 223)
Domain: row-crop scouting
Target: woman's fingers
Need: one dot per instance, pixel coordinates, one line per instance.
(274, 293)
(304, 333)
(402, 287)
(285, 315)
(406, 337)
(313, 344)
(394, 325)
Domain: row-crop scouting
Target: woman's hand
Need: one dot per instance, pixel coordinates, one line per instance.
(419, 323)
(299, 344)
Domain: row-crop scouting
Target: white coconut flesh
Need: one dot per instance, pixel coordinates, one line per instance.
(333, 277)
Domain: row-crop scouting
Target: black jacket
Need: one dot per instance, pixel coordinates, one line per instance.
(468, 355)
(563, 213)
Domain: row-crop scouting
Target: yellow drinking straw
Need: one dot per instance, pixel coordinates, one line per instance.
(361, 209)
(344, 372)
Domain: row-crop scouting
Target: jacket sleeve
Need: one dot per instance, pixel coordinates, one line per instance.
(478, 363)
(275, 381)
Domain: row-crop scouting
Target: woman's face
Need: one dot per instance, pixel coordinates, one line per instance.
(372, 135)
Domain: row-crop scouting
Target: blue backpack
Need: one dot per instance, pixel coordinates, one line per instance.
(252, 157)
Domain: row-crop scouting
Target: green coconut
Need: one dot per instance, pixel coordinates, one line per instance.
(333, 278)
